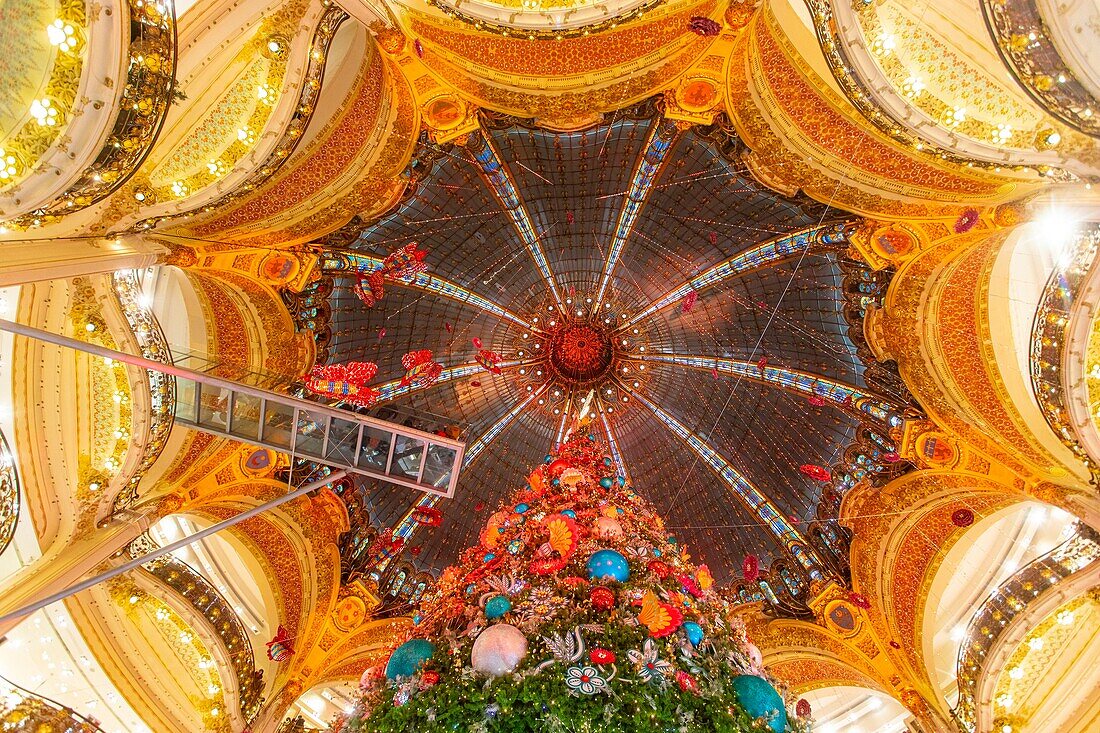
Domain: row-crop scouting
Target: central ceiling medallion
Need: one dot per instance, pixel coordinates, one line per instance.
(580, 356)
(579, 352)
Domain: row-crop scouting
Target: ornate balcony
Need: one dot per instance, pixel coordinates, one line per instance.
(211, 605)
(1011, 600)
(1056, 363)
(9, 495)
(21, 711)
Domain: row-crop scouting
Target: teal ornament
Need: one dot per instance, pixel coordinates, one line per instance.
(621, 480)
(592, 437)
(608, 564)
(489, 556)
(555, 482)
(417, 618)
(496, 607)
(470, 588)
(521, 508)
(569, 513)
(549, 459)
(671, 540)
(606, 482)
(761, 700)
(656, 552)
(408, 658)
(607, 461)
(694, 632)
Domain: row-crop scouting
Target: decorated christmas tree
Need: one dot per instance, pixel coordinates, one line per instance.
(576, 612)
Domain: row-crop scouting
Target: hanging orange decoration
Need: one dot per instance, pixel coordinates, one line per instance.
(347, 382)
(420, 370)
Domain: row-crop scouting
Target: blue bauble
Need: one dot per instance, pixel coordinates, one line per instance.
(694, 632)
(489, 556)
(607, 461)
(408, 658)
(569, 513)
(520, 508)
(761, 700)
(606, 564)
(555, 482)
(496, 607)
(606, 482)
(549, 459)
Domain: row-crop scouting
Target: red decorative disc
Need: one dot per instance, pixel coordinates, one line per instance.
(802, 709)
(581, 352)
(962, 517)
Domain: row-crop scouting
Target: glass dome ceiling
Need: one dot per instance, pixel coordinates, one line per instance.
(635, 272)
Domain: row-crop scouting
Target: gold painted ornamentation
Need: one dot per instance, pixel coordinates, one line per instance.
(147, 94)
(51, 111)
(546, 11)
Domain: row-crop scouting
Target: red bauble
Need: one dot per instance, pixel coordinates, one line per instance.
(603, 599)
(962, 517)
(891, 457)
(750, 568)
(686, 681)
(429, 679)
(802, 709)
(660, 568)
(557, 467)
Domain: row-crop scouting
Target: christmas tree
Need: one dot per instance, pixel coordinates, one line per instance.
(577, 611)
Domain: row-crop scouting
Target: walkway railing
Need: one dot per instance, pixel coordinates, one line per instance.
(1008, 601)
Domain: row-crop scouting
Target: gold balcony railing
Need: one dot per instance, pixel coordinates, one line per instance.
(1010, 599)
(21, 711)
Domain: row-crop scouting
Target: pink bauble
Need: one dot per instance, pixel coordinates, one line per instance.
(608, 528)
(755, 655)
(498, 650)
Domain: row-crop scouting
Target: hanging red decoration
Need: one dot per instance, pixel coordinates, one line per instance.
(817, 473)
(405, 262)
(689, 301)
(418, 47)
(476, 342)
(750, 568)
(420, 370)
(475, 383)
(448, 327)
(962, 517)
(859, 600)
(489, 360)
(816, 400)
(762, 364)
(415, 551)
(385, 547)
(279, 648)
(894, 644)
(802, 709)
(429, 516)
(713, 237)
(347, 382)
(704, 26)
(381, 334)
(714, 372)
(569, 217)
(966, 221)
(369, 288)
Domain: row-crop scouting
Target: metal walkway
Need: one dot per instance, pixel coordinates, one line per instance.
(339, 438)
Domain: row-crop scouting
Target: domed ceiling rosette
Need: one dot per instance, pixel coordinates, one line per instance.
(637, 273)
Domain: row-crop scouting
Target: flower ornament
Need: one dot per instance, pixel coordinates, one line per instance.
(704, 578)
(585, 680)
(750, 568)
(966, 221)
(704, 27)
(651, 668)
(660, 618)
(429, 678)
(601, 656)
